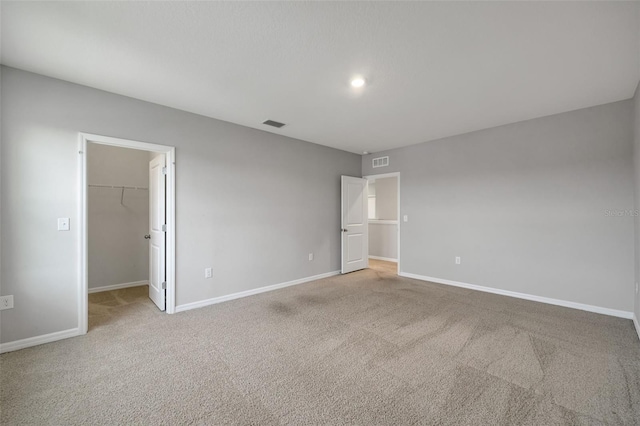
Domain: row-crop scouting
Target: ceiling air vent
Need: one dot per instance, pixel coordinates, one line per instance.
(380, 162)
(273, 123)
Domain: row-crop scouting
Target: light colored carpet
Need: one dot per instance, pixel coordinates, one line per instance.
(367, 348)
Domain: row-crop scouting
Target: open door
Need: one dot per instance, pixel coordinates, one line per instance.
(355, 224)
(157, 231)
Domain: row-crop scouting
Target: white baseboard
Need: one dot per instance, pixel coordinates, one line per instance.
(117, 286)
(635, 322)
(386, 259)
(565, 303)
(38, 340)
(233, 296)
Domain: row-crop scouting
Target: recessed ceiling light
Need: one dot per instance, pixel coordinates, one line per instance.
(358, 82)
(365, 152)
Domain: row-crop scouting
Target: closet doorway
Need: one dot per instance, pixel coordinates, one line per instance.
(128, 229)
(384, 221)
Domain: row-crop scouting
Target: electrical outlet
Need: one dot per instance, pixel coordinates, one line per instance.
(6, 302)
(310, 257)
(406, 218)
(208, 272)
(457, 260)
(636, 288)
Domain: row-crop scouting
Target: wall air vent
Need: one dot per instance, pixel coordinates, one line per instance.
(380, 162)
(273, 123)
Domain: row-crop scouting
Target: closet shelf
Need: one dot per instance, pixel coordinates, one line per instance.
(119, 187)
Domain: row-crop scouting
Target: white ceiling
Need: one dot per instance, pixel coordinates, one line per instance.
(433, 69)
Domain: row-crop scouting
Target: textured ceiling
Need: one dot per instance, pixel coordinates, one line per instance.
(433, 69)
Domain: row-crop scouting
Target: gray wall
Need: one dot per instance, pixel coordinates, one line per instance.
(250, 204)
(525, 206)
(636, 178)
(383, 237)
(387, 198)
(118, 252)
(383, 240)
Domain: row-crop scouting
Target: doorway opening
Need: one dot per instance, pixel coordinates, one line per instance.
(383, 202)
(127, 230)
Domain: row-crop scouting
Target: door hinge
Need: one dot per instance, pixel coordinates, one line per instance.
(164, 228)
(164, 285)
(164, 170)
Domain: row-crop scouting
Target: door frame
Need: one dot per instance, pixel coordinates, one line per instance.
(387, 175)
(83, 279)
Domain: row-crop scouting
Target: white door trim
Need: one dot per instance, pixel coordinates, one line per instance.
(386, 175)
(83, 279)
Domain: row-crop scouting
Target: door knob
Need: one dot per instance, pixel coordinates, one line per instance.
(147, 237)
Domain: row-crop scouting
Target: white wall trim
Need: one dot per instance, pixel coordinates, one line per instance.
(117, 286)
(565, 303)
(220, 299)
(386, 259)
(83, 286)
(39, 340)
(382, 175)
(635, 322)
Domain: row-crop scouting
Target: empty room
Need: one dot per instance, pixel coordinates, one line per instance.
(322, 213)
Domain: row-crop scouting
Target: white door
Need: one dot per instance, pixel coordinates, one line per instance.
(355, 224)
(157, 225)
